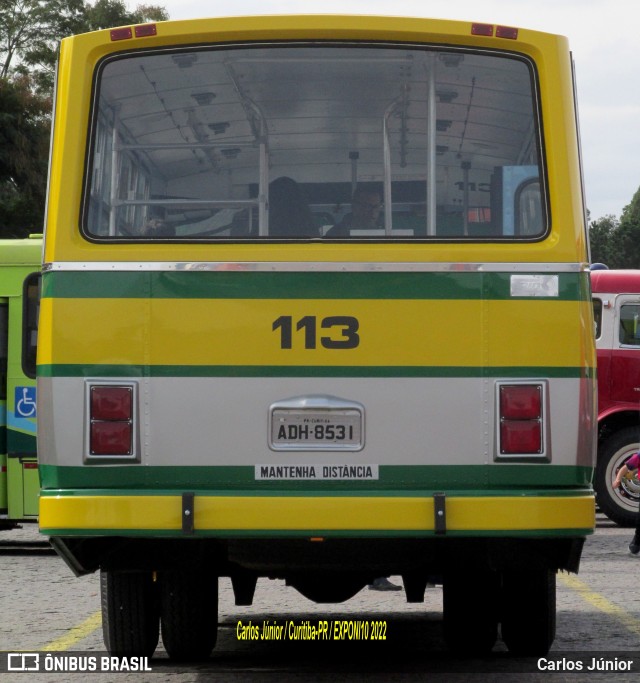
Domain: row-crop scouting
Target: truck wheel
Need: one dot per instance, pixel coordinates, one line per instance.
(130, 617)
(529, 611)
(189, 614)
(620, 505)
(470, 611)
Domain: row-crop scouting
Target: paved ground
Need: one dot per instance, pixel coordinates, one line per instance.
(45, 607)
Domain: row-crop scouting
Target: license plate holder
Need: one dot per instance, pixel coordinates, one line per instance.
(316, 424)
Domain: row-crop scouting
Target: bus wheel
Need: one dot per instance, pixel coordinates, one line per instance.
(620, 505)
(529, 611)
(189, 614)
(130, 618)
(470, 611)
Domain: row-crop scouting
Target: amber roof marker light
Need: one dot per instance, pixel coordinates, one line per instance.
(507, 32)
(139, 31)
(481, 29)
(500, 32)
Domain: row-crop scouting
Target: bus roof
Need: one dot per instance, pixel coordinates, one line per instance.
(294, 25)
(26, 251)
(615, 281)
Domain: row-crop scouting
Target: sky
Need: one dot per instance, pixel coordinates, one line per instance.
(603, 36)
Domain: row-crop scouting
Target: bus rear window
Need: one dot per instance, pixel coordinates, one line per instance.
(324, 142)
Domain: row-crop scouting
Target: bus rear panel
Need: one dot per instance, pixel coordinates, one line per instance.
(315, 307)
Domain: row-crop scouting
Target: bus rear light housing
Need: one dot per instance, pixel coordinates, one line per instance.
(111, 422)
(521, 413)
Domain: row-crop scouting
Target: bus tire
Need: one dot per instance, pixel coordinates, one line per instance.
(620, 505)
(529, 611)
(130, 617)
(470, 611)
(189, 614)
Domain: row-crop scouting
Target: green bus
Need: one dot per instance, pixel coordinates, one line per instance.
(20, 261)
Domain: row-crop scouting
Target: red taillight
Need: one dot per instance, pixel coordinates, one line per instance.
(111, 414)
(111, 403)
(520, 402)
(521, 419)
(111, 438)
(520, 436)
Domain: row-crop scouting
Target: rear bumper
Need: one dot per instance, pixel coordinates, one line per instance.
(78, 513)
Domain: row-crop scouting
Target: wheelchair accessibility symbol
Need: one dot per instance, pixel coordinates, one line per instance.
(25, 401)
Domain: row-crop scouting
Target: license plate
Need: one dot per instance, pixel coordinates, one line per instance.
(317, 430)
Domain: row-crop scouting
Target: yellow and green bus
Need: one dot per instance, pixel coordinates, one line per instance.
(316, 306)
(20, 263)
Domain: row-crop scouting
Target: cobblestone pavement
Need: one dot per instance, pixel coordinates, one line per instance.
(45, 606)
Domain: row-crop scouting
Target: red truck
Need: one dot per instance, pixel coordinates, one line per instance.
(616, 303)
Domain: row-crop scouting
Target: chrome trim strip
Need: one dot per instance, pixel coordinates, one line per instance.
(316, 266)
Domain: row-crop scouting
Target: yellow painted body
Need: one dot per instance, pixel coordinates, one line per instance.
(112, 331)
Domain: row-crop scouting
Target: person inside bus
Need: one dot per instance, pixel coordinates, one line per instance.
(366, 205)
(289, 212)
(632, 464)
(156, 227)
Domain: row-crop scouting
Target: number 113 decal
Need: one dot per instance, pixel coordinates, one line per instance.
(342, 331)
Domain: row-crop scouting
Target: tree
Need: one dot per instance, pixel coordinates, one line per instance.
(31, 29)
(617, 242)
(631, 212)
(627, 236)
(601, 234)
(626, 243)
(24, 148)
(109, 13)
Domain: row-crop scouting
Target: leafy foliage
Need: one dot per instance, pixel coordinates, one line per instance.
(109, 13)
(617, 242)
(30, 31)
(601, 233)
(24, 148)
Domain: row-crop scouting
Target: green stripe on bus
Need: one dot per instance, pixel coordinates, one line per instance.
(395, 480)
(62, 370)
(299, 285)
